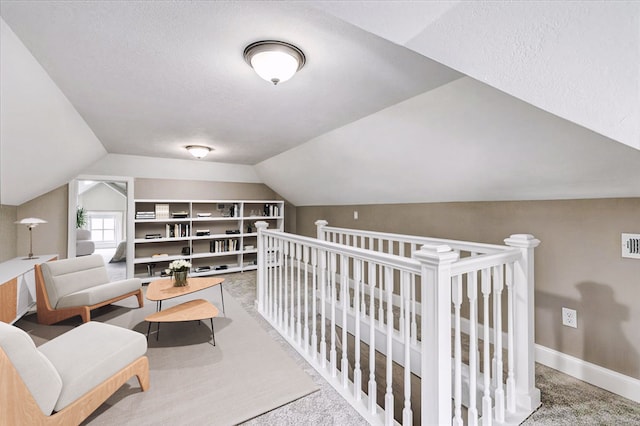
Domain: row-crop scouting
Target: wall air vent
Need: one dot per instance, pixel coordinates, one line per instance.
(631, 246)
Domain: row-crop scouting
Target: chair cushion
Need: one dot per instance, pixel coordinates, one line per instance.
(99, 293)
(90, 354)
(67, 276)
(36, 371)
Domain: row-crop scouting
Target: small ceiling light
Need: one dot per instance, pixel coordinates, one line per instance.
(198, 151)
(274, 61)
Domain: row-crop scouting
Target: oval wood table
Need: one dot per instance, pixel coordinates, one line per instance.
(193, 310)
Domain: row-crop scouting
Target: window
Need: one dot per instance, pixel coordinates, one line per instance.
(105, 228)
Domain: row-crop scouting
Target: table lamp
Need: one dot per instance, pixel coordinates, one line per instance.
(31, 223)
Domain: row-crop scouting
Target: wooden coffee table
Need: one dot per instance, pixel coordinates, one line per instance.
(163, 289)
(193, 310)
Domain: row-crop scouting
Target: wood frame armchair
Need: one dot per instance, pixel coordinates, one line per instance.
(64, 380)
(49, 314)
(19, 407)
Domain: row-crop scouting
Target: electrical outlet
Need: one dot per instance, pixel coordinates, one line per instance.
(355, 215)
(569, 317)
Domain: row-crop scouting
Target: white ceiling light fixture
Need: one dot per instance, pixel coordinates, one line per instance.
(274, 61)
(198, 151)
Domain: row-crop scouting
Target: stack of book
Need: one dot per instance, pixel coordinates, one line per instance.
(145, 215)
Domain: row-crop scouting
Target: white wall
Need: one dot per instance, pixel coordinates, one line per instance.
(165, 168)
(44, 141)
(464, 141)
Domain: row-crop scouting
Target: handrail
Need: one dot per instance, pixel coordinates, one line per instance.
(410, 239)
(403, 263)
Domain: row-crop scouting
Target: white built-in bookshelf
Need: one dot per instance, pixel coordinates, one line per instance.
(216, 236)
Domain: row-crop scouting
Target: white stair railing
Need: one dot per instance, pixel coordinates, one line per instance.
(307, 285)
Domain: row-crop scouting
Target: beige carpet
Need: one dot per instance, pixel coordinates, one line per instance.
(193, 382)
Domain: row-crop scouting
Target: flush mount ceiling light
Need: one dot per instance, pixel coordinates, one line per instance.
(274, 61)
(198, 151)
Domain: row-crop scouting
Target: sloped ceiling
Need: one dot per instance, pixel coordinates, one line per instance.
(379, 113)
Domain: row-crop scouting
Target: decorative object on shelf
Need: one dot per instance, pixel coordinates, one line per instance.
(179, 269)
(274, 61)
(31, 223)
(198, 151)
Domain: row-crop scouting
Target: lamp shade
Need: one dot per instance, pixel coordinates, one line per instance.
(31, 222)
(274, 61)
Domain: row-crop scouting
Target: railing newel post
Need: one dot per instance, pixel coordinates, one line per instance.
(527, 395)
(436, 384)
(320, 224)
(260, 301)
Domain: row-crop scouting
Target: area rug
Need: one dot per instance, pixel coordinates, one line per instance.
(193, 382)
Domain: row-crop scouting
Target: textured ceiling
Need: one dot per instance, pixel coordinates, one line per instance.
(152, 77)
(378, 104)
(579, 60)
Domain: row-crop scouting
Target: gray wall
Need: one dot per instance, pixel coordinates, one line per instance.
(8, 232)
(51, 238)
(577, 265)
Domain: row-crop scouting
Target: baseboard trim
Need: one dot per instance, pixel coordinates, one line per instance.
(604, 378)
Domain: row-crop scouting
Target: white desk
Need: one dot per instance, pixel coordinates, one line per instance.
(18, 286)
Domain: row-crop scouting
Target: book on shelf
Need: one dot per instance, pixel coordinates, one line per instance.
(223, 245)
(159, 255)
(180, 215)
(152, 236)
(177, 230)
(202, 232)
(145, 215)
(203, 214)
(162, 211)
(271, 210)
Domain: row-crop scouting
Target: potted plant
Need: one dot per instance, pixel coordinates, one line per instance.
(81, 217)
(179, 269)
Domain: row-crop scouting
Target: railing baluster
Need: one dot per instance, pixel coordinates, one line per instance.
(314, 297)
(281, 268)
(407, 412)
(388, 398)
(380, 298)
(413, 307)
(487, 415)
(285, 284)
(472, 295)
(292, 309)
(332, 294)
(357, 374)
(372, 340)
(498, 283)
(344, 290)
(305, 334)
(456, 296)
(323, 303)
(511, 382)
(299, 283)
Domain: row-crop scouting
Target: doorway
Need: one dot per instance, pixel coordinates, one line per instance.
(100, 221)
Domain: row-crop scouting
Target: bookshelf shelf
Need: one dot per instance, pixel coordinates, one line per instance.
(209, 233)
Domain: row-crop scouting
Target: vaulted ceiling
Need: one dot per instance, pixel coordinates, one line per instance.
(398, 102)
